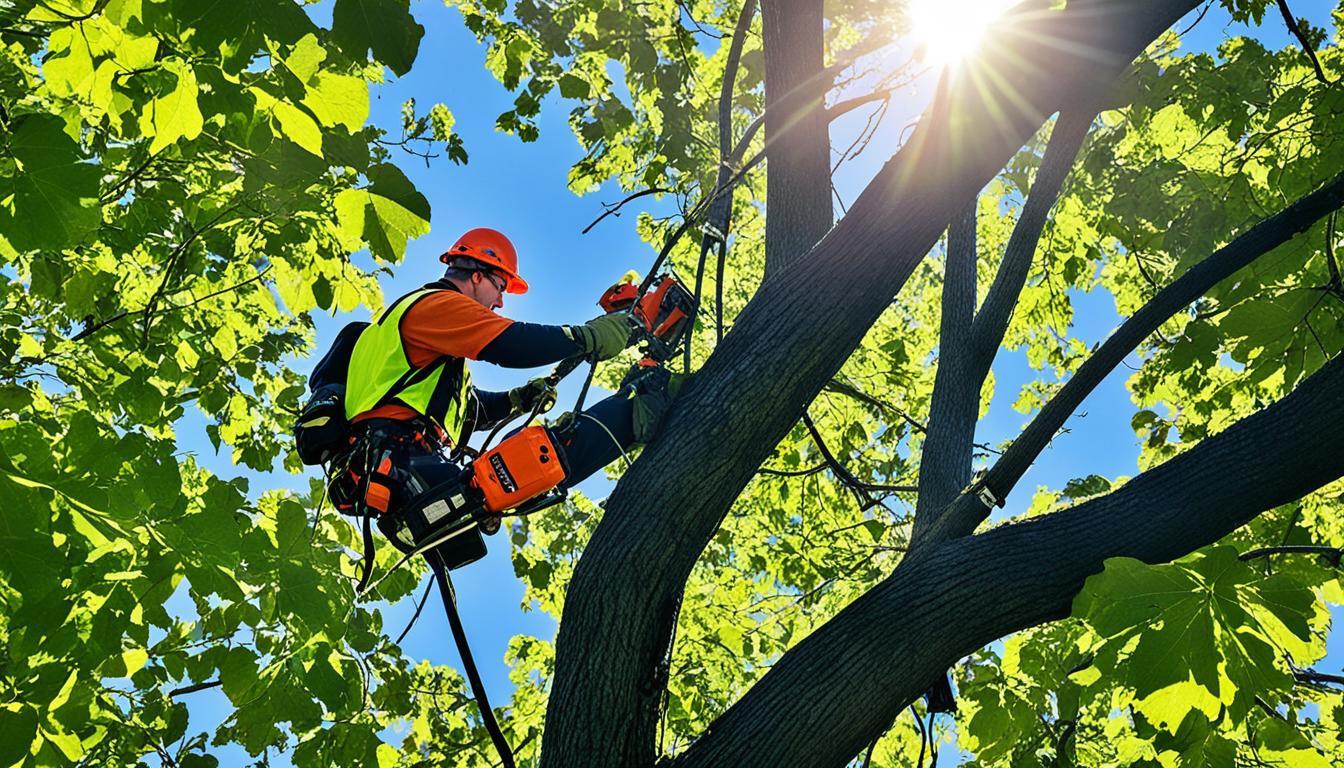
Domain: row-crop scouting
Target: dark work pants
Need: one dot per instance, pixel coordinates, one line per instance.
(596, 437)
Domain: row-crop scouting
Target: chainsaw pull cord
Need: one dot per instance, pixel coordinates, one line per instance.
(468, 663)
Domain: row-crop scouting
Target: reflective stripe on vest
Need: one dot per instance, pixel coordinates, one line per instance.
(381, 373)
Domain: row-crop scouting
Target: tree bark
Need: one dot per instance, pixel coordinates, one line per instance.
(991, 322)
(785, 345)
(798, 152)
(851, 677)
(945, 461)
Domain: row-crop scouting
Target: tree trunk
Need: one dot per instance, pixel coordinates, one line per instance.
(798, 148)
(786, 344)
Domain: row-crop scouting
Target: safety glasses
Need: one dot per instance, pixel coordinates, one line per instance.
(497, 281)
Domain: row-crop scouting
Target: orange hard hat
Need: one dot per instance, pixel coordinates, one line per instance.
(491, 248)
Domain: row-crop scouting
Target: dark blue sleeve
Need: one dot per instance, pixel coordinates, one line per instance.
(528, 345)
(490, 408)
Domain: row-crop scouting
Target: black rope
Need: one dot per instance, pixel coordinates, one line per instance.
(923, 736)
(468, 663)
(418, 608)
(366, 567)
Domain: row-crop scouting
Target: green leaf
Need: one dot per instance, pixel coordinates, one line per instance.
(1202, 621)
(305, 58)
(53, 194)
(384, 26)
(233, 30)
(18, 728)
(386, 216)
(574, 87)
(338, 100)
(387, 180)
(176, 114)
(298, 126)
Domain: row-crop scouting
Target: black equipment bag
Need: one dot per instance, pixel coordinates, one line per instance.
(322, 429)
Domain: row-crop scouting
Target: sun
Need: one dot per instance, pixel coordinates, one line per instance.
(950, 31)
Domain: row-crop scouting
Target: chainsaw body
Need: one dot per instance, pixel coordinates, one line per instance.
(449, 503)
(660, 318)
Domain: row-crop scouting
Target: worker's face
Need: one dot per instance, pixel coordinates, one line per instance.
(487, 288)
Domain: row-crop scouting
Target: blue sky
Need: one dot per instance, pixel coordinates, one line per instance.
(520, 189)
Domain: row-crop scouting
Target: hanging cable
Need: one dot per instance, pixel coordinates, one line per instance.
(468, 663)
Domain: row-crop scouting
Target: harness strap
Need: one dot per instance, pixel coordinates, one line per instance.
(366, 567)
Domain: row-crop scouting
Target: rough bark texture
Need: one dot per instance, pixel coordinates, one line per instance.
(992, 320)
(798, 170)
(786, 344)
(945, 462)
(851, 677)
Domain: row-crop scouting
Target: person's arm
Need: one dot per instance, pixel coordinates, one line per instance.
(529, 345)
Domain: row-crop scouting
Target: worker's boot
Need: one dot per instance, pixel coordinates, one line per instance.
(651, 393)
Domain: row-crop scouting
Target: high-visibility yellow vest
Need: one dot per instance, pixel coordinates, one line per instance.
(381, 373)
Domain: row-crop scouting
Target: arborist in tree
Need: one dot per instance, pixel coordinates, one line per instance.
(392, 408)
(410, 407)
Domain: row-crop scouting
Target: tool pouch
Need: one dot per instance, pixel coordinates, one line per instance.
(442, 509)
(321, 429)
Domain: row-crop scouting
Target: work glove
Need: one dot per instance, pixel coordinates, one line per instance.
(525, 398)
(602, 337)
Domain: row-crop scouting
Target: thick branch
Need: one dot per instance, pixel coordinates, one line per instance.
(798, 201)
(786, 344)
(960, 594)
(945, 461)
(967, 511)
(991, 322)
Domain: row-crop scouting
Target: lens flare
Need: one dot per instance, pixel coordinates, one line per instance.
(949, 31)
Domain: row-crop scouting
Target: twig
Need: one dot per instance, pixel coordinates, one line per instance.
(418, 608)
(792, 472)
(614, 208)
(845, 388)
(1301, 36)
(848, 105)
(94, 328)
(842, 473)
(194, 688)
(115, 192)
(97, 8)
(1333, 554)
(1202, 13)
(172, 263)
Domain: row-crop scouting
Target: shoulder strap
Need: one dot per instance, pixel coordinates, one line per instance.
(409, 379)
